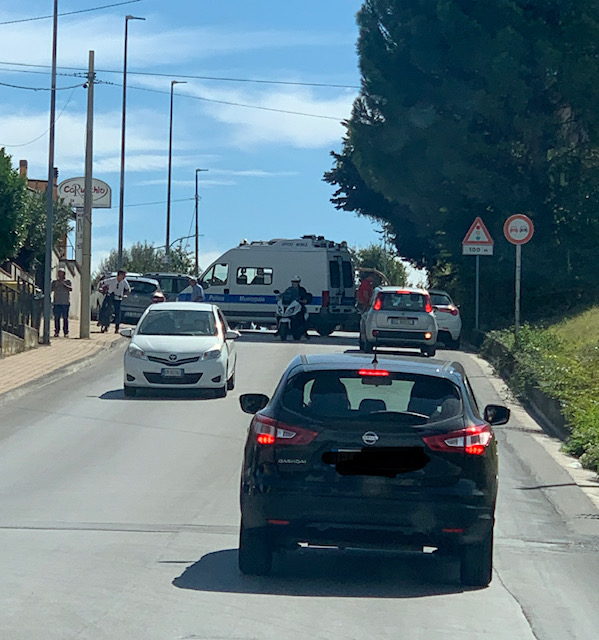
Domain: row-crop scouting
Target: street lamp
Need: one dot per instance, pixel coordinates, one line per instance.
(170, 166)
(197, 225)
(122, 189)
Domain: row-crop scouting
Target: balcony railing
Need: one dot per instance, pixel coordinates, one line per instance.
(19, 305)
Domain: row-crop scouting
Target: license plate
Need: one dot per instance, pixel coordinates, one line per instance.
(172, 373)
(410, 322)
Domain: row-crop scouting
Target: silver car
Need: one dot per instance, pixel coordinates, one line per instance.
(140, 298)
(399, 317)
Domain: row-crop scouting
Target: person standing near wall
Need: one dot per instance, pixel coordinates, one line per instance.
(61, 288)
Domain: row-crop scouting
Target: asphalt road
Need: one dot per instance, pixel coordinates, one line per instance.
(119, 520)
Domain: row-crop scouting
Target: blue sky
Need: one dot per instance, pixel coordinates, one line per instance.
(265, 168)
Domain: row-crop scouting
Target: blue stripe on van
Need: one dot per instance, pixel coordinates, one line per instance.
(249, 299)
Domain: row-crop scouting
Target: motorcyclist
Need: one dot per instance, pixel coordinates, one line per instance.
(294, 292)
(297, 292)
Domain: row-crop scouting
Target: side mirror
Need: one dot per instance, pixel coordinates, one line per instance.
(231, 334)
(127, 332)
(496, 414)
(252, 402)
(204, 285)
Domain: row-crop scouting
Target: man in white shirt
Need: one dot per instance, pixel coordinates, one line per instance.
(118, 288)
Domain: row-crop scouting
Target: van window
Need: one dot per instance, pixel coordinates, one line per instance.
(254, 275)
(217, 275)
(335, 274)
(348, 275)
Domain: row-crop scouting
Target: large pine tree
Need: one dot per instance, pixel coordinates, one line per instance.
(479, 107)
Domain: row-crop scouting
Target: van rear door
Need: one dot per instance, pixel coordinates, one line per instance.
(342, 281)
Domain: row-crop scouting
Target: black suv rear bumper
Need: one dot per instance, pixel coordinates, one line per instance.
(367, 521)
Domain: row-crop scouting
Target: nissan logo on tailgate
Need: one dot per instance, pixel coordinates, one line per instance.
(370, 437)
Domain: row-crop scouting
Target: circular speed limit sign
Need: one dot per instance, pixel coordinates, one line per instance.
(518, 229)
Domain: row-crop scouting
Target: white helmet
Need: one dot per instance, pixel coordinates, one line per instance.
(296, 279)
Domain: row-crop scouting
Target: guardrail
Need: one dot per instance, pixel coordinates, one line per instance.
(19, 306)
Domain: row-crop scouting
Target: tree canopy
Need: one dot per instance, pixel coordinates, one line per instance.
(483, 108)
(23, 220)
(376, 256)
(142, 257)
(13, 193)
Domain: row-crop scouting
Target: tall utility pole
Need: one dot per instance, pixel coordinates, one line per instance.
(50, 190)
(87, 205)
(122, 188)
(197, 234)
(170, 167)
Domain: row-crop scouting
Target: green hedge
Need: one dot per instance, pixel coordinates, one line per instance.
(562, 365)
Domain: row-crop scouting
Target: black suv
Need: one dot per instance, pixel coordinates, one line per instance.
(351, 452)
(171, 284)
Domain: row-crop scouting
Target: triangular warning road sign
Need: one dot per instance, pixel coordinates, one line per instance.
(478, 234)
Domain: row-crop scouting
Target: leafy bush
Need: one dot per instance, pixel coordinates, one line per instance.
(561, 363)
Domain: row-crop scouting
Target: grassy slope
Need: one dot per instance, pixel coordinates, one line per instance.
(563, 359)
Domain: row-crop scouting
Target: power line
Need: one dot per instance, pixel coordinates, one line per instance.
(25, 144)
(149, 204)
(70, 13)
(17, 86)
(196, 77)
(228, 103)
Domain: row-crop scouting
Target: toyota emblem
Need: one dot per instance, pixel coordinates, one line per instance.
(173, 357)
(370, 437)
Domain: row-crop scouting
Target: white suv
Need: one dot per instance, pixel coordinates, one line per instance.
(448, 318)
(399, 317)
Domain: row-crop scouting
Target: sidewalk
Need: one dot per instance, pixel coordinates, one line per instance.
(23, 368)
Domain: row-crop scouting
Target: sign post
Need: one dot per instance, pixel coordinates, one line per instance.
(477, 242)
(518, 229)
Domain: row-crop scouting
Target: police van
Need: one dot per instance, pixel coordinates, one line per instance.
(243, 281)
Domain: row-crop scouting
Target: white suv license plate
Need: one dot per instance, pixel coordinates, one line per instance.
(410, 322)
(172, 373)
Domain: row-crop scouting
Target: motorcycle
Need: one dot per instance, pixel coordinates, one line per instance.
(291, 318)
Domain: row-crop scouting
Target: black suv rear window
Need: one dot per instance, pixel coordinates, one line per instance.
(349, 395)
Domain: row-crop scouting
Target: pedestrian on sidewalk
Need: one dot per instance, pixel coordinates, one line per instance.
(61, 288)
(117, 289)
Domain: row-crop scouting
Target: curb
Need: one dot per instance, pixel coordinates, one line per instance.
(57, 374)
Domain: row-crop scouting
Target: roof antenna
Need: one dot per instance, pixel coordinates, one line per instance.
(375, 360)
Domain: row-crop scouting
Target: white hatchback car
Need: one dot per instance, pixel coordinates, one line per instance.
(399, 317)
(448, 318)
(180, 345)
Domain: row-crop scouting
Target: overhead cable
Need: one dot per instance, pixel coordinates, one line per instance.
(47, 130)
(228, 103)
(193, 77)
(70, 13)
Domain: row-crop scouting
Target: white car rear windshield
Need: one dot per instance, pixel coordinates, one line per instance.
(351, 394)
(178, 322)
(402, 301)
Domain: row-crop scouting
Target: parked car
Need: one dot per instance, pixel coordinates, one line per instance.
(139, 299)
(399, 318)
(184, 345)
(171, 284)
(97, 295)
(348, 453)
(448, 317)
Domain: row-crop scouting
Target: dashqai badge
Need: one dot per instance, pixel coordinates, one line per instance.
(370, 438)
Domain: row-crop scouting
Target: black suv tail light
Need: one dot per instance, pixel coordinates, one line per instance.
(472, 440)
(269, 431)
